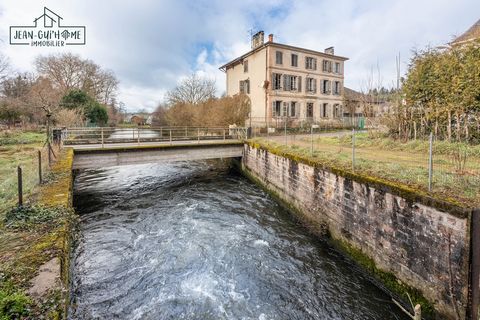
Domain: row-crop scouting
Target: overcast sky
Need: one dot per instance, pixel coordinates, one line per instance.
(151, 44)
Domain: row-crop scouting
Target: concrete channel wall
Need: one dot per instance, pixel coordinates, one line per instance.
(426, 247)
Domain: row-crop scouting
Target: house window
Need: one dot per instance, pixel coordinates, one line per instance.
(337, 67)
(245, 86)
(336, 88)
(245, 66)
(311, 85)
(327, 66)
(326, 87)
(279, 57)
(324, 110)
(277, 108)
(309, 109)
(294, 60)
(284, 109)
(292, 83)
(293, 109)
(277, 81)
(310, 63)
(336, 110)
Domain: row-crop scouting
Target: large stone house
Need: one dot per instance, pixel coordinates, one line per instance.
(287, 83)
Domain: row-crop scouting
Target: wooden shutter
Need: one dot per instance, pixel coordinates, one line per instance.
(314, 64)
(242, 86)
(314, 85)
(274, 111)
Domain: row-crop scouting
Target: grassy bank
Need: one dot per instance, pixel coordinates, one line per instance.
(34, 235)
(456, 167)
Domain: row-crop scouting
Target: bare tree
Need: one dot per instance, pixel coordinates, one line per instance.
(4, 67)
(192, 90)
(68, 71)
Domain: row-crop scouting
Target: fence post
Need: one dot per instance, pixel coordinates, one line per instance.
(418, 312)
(138, 136)
(39, 167)
(311, 141)
(198, 135)
(170, 136)
(20, 186)
(223, 134)
(49, 154)
(102, 139)
(430, 162)
(353, 149)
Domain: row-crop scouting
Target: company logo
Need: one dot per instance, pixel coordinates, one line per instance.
(47, 31)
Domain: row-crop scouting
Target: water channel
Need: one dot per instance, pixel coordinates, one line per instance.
(196, 240)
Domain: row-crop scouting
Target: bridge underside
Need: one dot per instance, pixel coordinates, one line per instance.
(99, 158)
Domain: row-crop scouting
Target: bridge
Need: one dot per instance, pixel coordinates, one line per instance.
(105, 146)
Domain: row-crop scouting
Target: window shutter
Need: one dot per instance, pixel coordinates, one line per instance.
(242, 87)
(299, 89)
(274, 113)
(297, 109)
(285, 82)
(314, 85)
(247, 82)
(314, 64)
(329, 86)
(306, 62)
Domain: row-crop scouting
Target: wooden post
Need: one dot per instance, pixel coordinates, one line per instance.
(20, 186)
(418, 312)
(39, 167)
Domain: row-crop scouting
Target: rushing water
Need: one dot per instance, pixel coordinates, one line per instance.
(198, 241)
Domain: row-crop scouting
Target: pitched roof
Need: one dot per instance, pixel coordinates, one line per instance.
(279, 45)
(472, 33)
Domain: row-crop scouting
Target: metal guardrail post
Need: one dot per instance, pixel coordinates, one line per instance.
(353, 149)
(311, 141)
(430, 162)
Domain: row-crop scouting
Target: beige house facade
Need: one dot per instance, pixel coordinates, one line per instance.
(287, 83)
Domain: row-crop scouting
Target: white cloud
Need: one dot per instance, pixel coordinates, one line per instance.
(151, 45)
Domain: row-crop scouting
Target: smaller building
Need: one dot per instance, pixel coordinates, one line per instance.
(357, 104)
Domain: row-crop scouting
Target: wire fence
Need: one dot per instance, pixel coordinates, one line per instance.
(34, 166)
(441, 167)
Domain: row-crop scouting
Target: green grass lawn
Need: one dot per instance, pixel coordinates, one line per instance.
(456, 167)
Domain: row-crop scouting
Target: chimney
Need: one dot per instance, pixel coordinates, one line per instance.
(270, 37)
(257, 39)
(330, 50)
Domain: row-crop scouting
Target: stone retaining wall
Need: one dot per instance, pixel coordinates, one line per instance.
(423, 247)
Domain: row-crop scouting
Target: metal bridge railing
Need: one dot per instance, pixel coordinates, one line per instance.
(113, 135)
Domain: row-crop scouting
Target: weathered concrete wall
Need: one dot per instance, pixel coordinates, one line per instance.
(424, 247)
